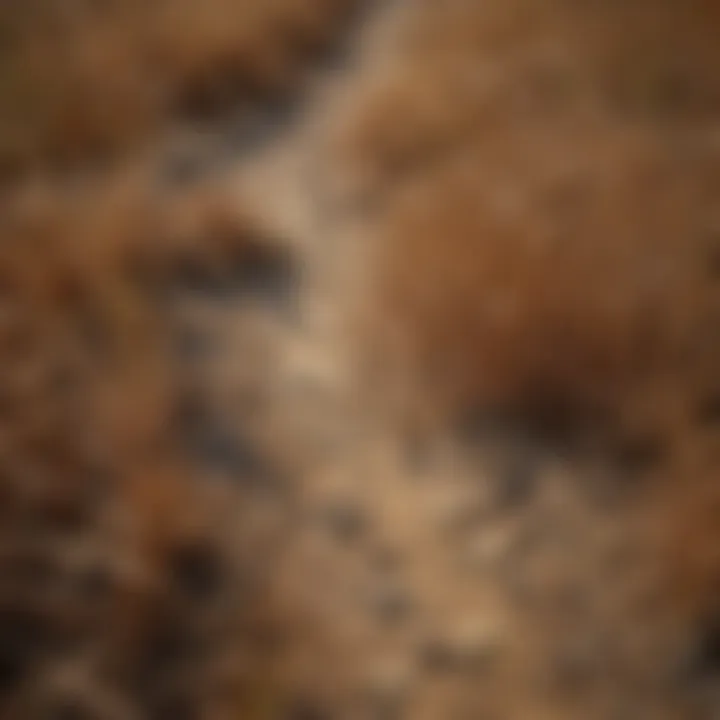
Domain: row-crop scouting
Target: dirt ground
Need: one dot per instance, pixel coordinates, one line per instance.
(385, 391)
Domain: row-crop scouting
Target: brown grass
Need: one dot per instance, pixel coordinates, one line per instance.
(114, 561)
(84, 79)
(459, 70)
(546, 253)
(548, 200)
(527, 291)
(121, 590)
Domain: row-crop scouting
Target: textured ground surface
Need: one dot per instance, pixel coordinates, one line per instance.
(342, 542)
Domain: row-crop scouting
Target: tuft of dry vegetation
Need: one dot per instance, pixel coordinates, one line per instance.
(80, 80)
(124, 593)
(545, 252)
(459, 71)
(121, 594)
(565, 298)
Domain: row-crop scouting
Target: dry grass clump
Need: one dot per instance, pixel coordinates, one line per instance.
(121, 596)
(549, 239)
(547, 251)
(558, 278)
(123, 591)
(460, 70)
(84, 79)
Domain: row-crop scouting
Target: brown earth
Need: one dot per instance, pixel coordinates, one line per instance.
(386, 391)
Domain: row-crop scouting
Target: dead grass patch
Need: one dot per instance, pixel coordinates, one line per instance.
(459, 70)
(557, 288)
(120, 590)
(84, 79)
(543, 252)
